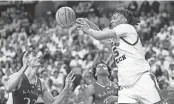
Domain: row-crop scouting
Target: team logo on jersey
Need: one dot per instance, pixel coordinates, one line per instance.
(106, 93)
(30, 91)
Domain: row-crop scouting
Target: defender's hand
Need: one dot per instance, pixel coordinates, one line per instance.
(69, 80)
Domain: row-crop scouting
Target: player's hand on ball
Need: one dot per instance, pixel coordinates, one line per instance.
(69, 80)
(111, 99)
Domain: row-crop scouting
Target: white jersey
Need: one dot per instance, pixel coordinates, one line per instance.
(128, 54)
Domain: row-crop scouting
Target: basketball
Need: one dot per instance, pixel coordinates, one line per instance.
(65, 17)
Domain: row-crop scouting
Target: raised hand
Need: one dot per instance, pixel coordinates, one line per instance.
(69, 80)
(25, 59)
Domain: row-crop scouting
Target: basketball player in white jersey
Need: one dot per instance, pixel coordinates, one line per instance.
(136, 81)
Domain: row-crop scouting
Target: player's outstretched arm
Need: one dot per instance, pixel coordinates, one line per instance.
(15, 79)
(93, 26)
(89, 91)
(99, 35)
(49, 99)
(120, 31)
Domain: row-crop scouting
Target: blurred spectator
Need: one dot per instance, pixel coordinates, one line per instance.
(88, 62)
(161, 35)
(155, 6)
(171, 25)
(58, 81)
(54, 93)
(145, 7)
(1, 75)
(3, 100)
(104, 21)
(133, 6)
(171, 74)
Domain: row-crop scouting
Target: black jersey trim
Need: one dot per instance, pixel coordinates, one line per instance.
(129, 42)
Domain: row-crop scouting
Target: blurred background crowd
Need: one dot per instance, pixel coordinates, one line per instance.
(24, 27)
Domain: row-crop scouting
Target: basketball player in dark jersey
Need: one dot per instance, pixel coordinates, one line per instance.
(103, 91)
(24, 86)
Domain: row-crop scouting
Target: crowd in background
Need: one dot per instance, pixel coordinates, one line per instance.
(66, 49)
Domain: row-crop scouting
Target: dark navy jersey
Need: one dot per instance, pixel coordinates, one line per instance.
(102, 93)
(27, 93)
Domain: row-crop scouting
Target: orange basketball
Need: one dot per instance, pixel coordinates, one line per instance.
(65, 17)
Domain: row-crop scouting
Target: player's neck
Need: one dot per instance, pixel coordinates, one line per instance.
(103, 80)
(30, 73)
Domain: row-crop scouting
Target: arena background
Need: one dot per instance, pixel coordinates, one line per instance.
(31, 25)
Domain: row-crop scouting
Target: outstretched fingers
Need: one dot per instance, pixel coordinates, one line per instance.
(70, 74)
(71, 77)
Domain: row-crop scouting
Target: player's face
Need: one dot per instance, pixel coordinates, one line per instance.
(33, 59)
(117, 19)
(102, 70)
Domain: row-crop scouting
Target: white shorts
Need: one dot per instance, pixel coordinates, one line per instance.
(145, 91)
